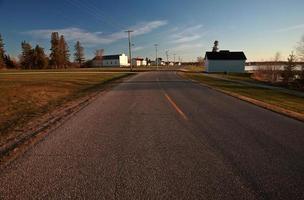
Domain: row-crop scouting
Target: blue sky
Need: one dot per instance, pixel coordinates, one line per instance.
(185, 28)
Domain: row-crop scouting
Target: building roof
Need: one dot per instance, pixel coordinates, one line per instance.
(225, 55)
(111, 57)
(108, 57)
(140, 59)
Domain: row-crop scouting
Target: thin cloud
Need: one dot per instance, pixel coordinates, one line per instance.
(185, 47)
(96, 38)
(186, 39)
(188, 34)
(137, 48)
(290, 28)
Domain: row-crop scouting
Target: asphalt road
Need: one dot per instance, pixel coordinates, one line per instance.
(157, 136)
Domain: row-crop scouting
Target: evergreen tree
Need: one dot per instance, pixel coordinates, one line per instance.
(64, 58)
(2, 53)
(288, 72)
(26, 55)
(55, 51)
(215, 46)
(39, 58)
(9, 63)
(147, 61)
(79, 53)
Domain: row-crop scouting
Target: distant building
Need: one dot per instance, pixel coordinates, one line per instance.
(225, 61)
(137, 62)
(171, 64)
(158, 62)
(120, 60)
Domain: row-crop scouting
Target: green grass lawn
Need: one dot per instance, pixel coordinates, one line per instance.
(277, 98)
(25, 96)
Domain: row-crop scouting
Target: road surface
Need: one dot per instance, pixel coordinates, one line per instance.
(157, 136)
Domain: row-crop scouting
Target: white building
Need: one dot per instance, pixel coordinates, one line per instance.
(120, 60)
(137, 62)
(144, 63)
(225, 61)
(159, 62)
(171, 63)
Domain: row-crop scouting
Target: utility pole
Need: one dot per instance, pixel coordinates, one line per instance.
(130, 52)
(167, 54)
(156, 45)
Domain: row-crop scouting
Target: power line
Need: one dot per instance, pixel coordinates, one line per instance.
(104, 14)
(94, 13)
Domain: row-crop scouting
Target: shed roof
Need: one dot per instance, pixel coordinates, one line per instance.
(225, 55)
(111, 57)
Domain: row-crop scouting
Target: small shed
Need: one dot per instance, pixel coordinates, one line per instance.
(225, 61)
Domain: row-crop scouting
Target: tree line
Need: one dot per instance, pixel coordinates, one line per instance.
(287, 75)
(291, 74)
(36, 58)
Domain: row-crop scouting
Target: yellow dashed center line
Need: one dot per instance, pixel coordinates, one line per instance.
(175, 106)
(178, 110)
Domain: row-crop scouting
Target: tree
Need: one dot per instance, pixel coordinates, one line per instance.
(10, 63)
(2, 53)
(215, 46)
(276, 68)
(99, 54)
(288, 72)
(64, 56)
(300, 49)
(300, 55)
(55, 51)
(79, 53)
(200, 61)
(39, 59)
(147, 61)
(33, 58)
(277, 57)
(26, 55)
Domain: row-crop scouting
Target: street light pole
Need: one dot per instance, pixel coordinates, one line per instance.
(130, 52)
(167, 54)
(156, 45)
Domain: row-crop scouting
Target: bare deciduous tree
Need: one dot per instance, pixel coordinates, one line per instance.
(276, 68)
(300, 55)
(200, 61)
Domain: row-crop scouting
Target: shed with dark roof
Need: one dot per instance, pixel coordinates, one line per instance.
(225, 61)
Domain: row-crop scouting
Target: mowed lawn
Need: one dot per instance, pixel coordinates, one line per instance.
(277, 98)
(24, 96)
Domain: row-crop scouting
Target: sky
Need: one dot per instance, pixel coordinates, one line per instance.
(187, 29)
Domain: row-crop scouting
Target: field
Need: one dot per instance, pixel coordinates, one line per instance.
(191, 68)
(277, 98)
(25, 96)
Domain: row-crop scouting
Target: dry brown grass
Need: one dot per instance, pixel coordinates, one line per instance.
(29, 95)
(272, 97)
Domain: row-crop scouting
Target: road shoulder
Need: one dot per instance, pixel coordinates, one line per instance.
(268, 106)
